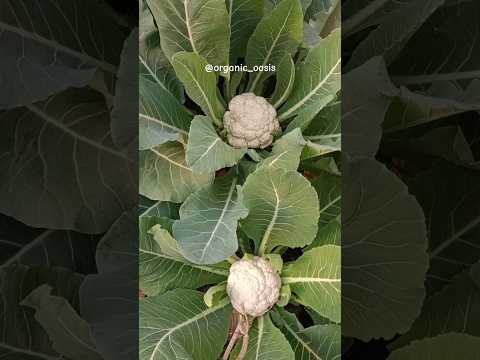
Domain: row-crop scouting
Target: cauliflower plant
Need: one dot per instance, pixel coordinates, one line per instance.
(250, 122)
(253, 286)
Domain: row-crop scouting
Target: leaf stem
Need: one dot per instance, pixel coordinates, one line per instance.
(425, 79)
(349, 25)
(232, 259)
(244, 349)
(330, 24)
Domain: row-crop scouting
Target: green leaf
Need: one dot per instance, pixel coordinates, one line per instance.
(59, 56)
(315, 279)
(168, 245)
(413, 108)
(281, 317)
(285, 295)
(206, 231)
(165, 176)
(64, 130)
(453, 309)
(266, 342)
(362, 14)
(124, 112)
(108, 304)
(30, 340)
(215, 294)
(434, 59)
(329, 190)
(311, 36)
(278, 33)
(116, 250)
(283, 209)
(276, 261)
(324, 134)
(450, 194)
(162, 268)
(244, 17)
(321, 166)
(55, 248)
(286, 152)
(285, 80)
(329, 234)
(149, 38)
(447, 142)
(327, 120)
(367, 94)
(383, 252)
(443, 347)
(148, 208)
(325, 15)
(161, 116)
(200, 26)
(235, 81)
(307, 115)
(206, 151)
(200, 85)
(178, 325)
(388, 39)
(68, 332)
(321, 145)
(318, 77)
(320, 342)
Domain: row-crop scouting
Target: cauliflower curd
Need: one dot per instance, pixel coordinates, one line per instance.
(253, 286)
(250, 122)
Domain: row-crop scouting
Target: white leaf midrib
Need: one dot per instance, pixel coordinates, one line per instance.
(195, 266)
(29, 352)
(311, 93)
(28, 247)
(261, 327)
(269, 53)
(268, 231)
(85, 58)
(220, 220)
(299, 279)
(200, 88)
(162, 123)
(194, 319)
(43, 115)
(300, 340)
(170, 160)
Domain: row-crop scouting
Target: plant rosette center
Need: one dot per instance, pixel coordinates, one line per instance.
(250, 122)
(253, 286)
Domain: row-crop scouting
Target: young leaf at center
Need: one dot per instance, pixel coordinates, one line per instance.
(285, 80)
(206, 151)
(317, 78)
(199, 84)
(276, 34)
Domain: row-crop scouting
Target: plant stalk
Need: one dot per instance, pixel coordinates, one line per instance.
(349, 25)
(425, 79)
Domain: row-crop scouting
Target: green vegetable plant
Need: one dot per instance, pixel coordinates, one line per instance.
(411, 220)
(239, 179)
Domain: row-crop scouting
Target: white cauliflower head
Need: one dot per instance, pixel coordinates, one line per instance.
(250, 122)
(253, 286)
